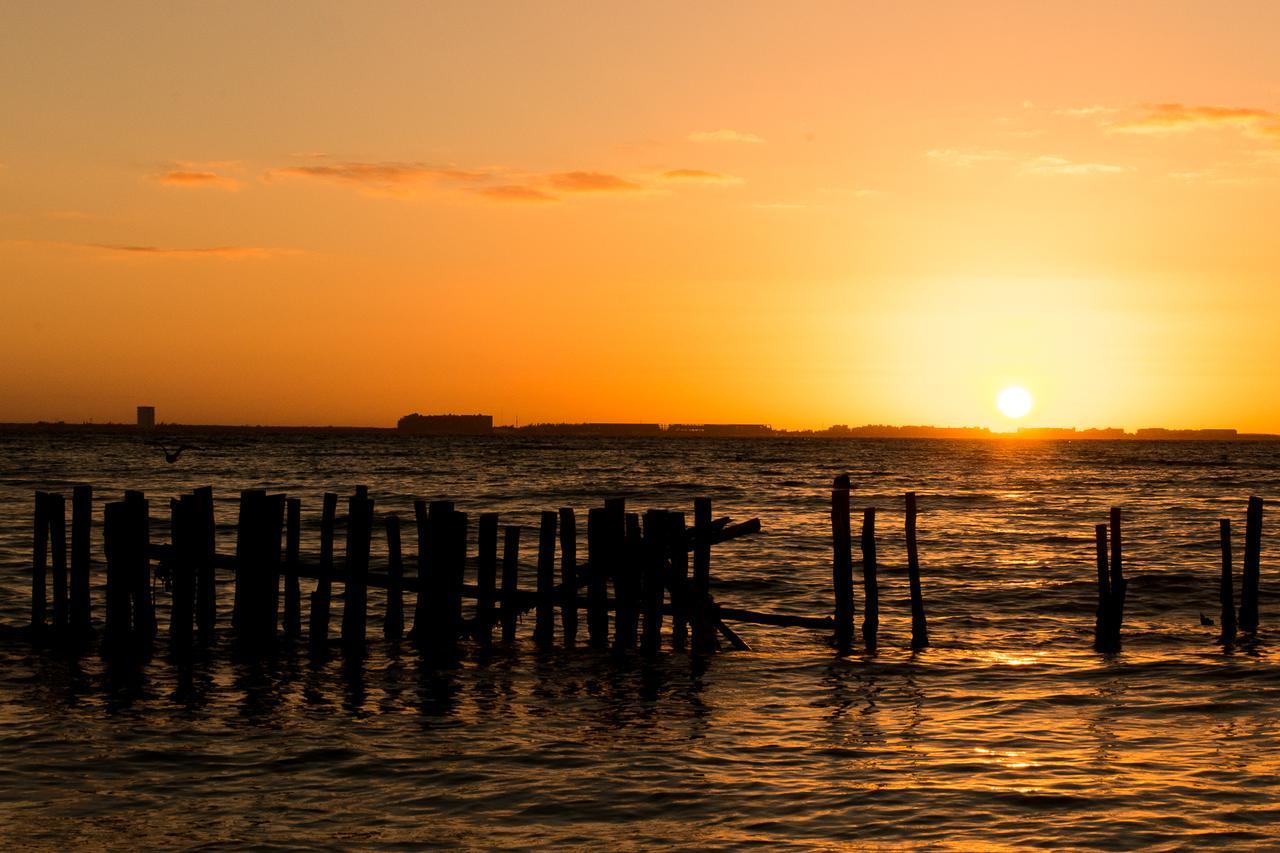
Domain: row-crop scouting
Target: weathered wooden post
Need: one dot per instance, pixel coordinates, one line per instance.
(598, 582)
(569, 576)
(292, 587)
(919, 627)
(842, 562)
(1102, 630)
(393, 621)
(486, 576)
(870, 581)
(248, 534)
(627, 584)
(431, 615)
(544, 624)
(182, 571)
(144, 612)
(1252, 563)
(115, 539)
(273, 554)
(355, 594)
(703, 619)
(39, 562)
(58, 559)
(81, 524)
(318, 625)
(456, 567)
(678, 579)
(1119, 586)
(1226, 592)
(205, 549)
(510, 582)
(655, 561)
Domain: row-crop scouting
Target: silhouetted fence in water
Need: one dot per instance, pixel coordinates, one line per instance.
(645, 557)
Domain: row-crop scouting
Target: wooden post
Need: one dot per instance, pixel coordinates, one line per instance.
(456, 567)
(544, 626)
(1226, 592)
(318, 625)
(655, 536)
(1102, 630)
(627, 584)
(115, 518)
(486, 576)
(248, 533)
(1119, 586)
(292, 588)
(870, 582)
(678, 579)
(81, 524)
(355, 595)
(39, 562)
(598, 582)
(510, 582)
(58, 559)
(1252, 562)
(182, 570)
(842, 562)
(704, 620)
(569, 576)
(393, 621)
(205, 532)
(919, 627)
(431, 615)
(421, 610)
(144, 612)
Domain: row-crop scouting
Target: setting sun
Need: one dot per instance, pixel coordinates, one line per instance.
(1014, 401)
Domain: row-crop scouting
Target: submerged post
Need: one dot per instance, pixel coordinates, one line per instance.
(544, 625)
(1102, 630)
(81, 524)
(1226, 592)
(393, 620)
(1252, 561)
(842, 563)
(1119, 585)
(919, 627)
(870, 580)
(510, 582)
(39, 561)
(486, 576)
(568, 576)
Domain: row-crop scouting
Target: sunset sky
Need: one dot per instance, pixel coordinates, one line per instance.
(792, 213)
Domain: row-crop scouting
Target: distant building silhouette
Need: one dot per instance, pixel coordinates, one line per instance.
(146, 417)
(416, 424)
(1162, 434)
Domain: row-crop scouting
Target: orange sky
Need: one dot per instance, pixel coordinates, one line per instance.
(799, 214)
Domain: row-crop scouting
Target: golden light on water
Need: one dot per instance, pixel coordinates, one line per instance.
(1014, 402)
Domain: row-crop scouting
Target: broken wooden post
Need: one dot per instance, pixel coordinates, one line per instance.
(1252, 560)
(701, 612)
(393, 620)
(182, 572)
(678, 579)
(510, 582)
(569, 576)
(39, 562)
(81, 524)
(842, 562)
(57, 510)
(1102, 629)
(655, 561)
(318, 624)
(919, 628)
(544, 624)
(144, 611)
(597, 582)
(205, 549)
(292, 587)
(486, 576)
(627, 584)
(870, 581)
(1119, 586)
(1226, 592)
(356, 591)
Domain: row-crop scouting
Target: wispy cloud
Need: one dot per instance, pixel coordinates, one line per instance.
(138, 250)
(1084, 112)
(1047, 165)
(699, 176)
(724, 134)
(1044, 164)
(1182, 118)
(197, 179)
(966, 157)
(514, 193)
(384, 177)
(590, 182)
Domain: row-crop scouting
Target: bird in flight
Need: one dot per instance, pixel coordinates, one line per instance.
(171, 456)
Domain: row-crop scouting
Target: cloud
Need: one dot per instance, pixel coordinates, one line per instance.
(383, 178)
(966, 157)
(699, 176)
(187, 178)
(1046, 165)
(515, 193)
(124, 250)
(724, 134)
(590, 182)
(1181, 118)
(1082, 112)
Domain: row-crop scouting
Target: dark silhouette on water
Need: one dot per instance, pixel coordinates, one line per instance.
(172, 456)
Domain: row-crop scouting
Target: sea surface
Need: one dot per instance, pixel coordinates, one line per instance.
(1009, 731)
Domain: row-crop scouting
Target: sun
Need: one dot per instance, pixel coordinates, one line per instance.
(1014, 401)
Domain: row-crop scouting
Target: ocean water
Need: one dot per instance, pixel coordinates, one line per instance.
(1007, 732)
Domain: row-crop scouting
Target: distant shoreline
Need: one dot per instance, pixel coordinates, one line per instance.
(586, 431)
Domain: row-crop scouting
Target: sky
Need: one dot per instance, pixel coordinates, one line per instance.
(789, 213)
